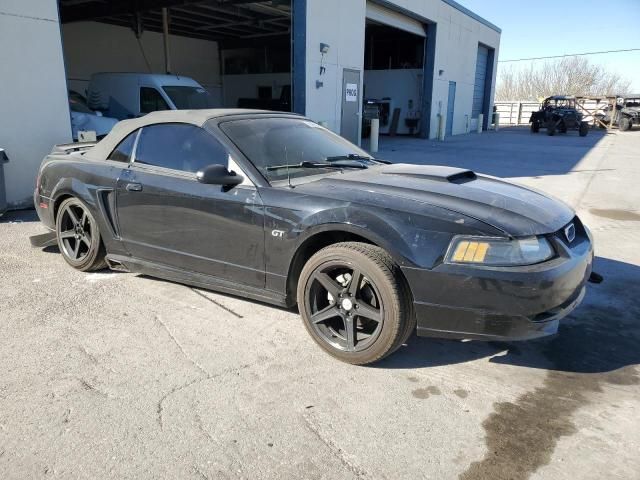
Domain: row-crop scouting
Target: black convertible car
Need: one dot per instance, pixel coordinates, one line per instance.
(273, 207)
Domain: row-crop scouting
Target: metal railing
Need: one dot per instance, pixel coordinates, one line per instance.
(518, 112)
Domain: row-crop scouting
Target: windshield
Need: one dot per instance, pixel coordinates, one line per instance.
(269, 142)
(187, 98)
(561, 103)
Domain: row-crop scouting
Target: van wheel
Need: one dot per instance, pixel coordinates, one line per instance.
(355, 303)
(79, 236)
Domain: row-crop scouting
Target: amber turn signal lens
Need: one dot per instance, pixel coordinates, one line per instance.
(469, 251)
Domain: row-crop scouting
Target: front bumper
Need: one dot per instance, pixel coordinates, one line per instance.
(506, 303)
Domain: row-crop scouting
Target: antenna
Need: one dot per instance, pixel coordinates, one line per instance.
(286, 161)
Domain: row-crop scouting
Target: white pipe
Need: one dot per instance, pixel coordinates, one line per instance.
(375, 133)
(480, 122)
(441, 127)
(497, 124)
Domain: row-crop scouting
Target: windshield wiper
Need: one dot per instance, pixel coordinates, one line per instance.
(349, 156)
(355, 156)
(338, 166)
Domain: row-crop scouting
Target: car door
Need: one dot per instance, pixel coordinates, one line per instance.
(167, 217)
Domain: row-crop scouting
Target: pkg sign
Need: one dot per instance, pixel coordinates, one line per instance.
(351, 92)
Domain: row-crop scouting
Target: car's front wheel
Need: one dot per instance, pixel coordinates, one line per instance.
(79, 236)
(355, 303)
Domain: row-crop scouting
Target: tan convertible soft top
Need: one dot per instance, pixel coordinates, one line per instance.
(195, 117)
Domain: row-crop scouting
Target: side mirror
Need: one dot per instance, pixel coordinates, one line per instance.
(219, 175)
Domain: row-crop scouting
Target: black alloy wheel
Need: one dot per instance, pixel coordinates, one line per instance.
(345, 307)
(78, 236)
(354, 302)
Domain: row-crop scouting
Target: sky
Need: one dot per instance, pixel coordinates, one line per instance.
(545, 27)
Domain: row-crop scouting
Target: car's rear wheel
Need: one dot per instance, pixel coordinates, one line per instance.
(79, 236)
(535, 127)
(625, 124)
(584, 129)
(355, 303)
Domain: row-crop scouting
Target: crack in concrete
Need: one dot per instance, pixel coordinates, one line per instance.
(179, 388)
(193, 362)
(338, 452)
(91, 388)
(199, 472)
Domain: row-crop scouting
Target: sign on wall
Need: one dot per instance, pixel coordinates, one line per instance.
(351, 92)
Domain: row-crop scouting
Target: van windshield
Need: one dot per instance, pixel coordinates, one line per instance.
(186, 98)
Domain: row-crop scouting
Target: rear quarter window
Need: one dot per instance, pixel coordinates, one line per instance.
(124, 150)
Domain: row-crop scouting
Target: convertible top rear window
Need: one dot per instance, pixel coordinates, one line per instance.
(272, 141)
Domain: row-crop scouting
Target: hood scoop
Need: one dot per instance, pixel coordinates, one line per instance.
(436, 173)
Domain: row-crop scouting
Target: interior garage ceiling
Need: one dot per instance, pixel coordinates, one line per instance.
(216, 20)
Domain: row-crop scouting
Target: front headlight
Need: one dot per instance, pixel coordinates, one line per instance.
(499, 252)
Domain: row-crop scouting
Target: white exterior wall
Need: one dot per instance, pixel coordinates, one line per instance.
(91, 47)
(342, 24)
(33, 99)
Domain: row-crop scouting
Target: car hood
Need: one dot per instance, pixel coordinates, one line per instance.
(513, 209)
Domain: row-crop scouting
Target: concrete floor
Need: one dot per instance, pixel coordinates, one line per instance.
(111, 375)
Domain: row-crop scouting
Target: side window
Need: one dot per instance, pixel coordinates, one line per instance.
(179, 147)
(122, 153)
(151, 100)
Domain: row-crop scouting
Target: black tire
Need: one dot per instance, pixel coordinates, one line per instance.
(624, 124)
(584, 129)
(551, 128)
(329, 302)
(79, 236)
(535, 127)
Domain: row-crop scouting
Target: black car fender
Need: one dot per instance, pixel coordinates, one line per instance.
(411, 240)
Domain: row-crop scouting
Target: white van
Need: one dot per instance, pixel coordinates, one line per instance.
(129, 95)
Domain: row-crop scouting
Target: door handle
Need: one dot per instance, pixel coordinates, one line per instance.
(134, 187)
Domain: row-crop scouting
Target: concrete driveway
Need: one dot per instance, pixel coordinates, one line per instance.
(112, 375)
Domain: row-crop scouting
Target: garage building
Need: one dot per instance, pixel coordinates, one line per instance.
(427, 64)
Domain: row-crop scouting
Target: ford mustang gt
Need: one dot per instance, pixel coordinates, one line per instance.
(275, 208)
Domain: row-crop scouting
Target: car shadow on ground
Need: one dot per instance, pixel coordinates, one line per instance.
(600, 336)
(510, 152)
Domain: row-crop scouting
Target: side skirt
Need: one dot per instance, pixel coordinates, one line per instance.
(200, 280)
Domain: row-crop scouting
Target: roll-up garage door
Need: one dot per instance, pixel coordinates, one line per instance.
(480, 81)
(394, 19)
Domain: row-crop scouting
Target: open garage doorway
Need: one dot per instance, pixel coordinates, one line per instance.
(230, 54)
(393, 72)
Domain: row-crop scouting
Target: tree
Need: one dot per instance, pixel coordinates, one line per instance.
(565, 76)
